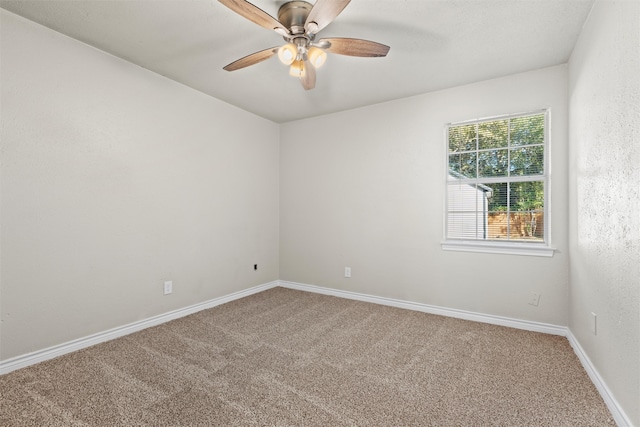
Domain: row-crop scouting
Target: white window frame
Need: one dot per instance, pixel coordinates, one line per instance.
(544, 248)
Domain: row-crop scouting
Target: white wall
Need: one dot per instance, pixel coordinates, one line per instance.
(605, 196)
(365, 189)
(115, 179)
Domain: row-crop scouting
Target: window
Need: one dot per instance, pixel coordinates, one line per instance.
(497, 184)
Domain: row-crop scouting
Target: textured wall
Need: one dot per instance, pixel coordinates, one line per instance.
(115, 179)
(365, 189)
(605, 196)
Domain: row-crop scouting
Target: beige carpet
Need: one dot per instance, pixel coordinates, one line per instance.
(291, 358)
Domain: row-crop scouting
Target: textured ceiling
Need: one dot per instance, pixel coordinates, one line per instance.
(435, 44)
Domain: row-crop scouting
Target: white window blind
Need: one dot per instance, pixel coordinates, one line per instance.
(497, 180)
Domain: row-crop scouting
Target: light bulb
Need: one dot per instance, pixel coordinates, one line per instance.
(297, 69)
(287, 53)
(317, 56)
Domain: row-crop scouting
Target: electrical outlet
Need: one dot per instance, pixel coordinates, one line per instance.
(255, 267)
(347, 272)
(594, 323)
(168, 287)
(534, 300)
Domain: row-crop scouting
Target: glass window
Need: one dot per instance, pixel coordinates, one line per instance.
(497, 180)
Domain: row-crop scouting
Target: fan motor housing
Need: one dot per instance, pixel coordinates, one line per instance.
(293, 15)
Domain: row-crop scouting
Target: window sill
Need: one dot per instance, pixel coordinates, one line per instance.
(515, 248)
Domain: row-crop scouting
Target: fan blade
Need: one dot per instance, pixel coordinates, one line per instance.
(254, 14)
(308, 78)
(355, 47)
(322, 13)
(252, 59)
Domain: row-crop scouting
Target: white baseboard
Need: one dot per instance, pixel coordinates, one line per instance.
(619, 416)
(617, 412)
(433, 309)
(29, 359)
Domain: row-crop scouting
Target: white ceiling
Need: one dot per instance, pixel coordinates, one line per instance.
(435, 44)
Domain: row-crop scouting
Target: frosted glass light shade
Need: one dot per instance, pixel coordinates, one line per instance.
(317, 56)
(297, 69)
(287, 54)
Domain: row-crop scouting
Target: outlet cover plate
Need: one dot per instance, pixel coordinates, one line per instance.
(168, 287)
(534, 300)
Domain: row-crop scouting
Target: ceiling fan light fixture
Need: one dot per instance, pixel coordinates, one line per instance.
(287, 53)
(299, 21)
(317, 56)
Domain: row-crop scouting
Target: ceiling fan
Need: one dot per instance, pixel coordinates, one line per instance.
(298, 23)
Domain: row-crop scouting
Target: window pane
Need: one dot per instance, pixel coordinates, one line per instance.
(499, 197)
(527, 160)
(462, 138)
(463, 164)
(493, 134)
(467, 211)
(493, 163)
(498, 226)
(527, 130)
(527, 205)
(527, 226)
(497, 220)
(526, 196)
